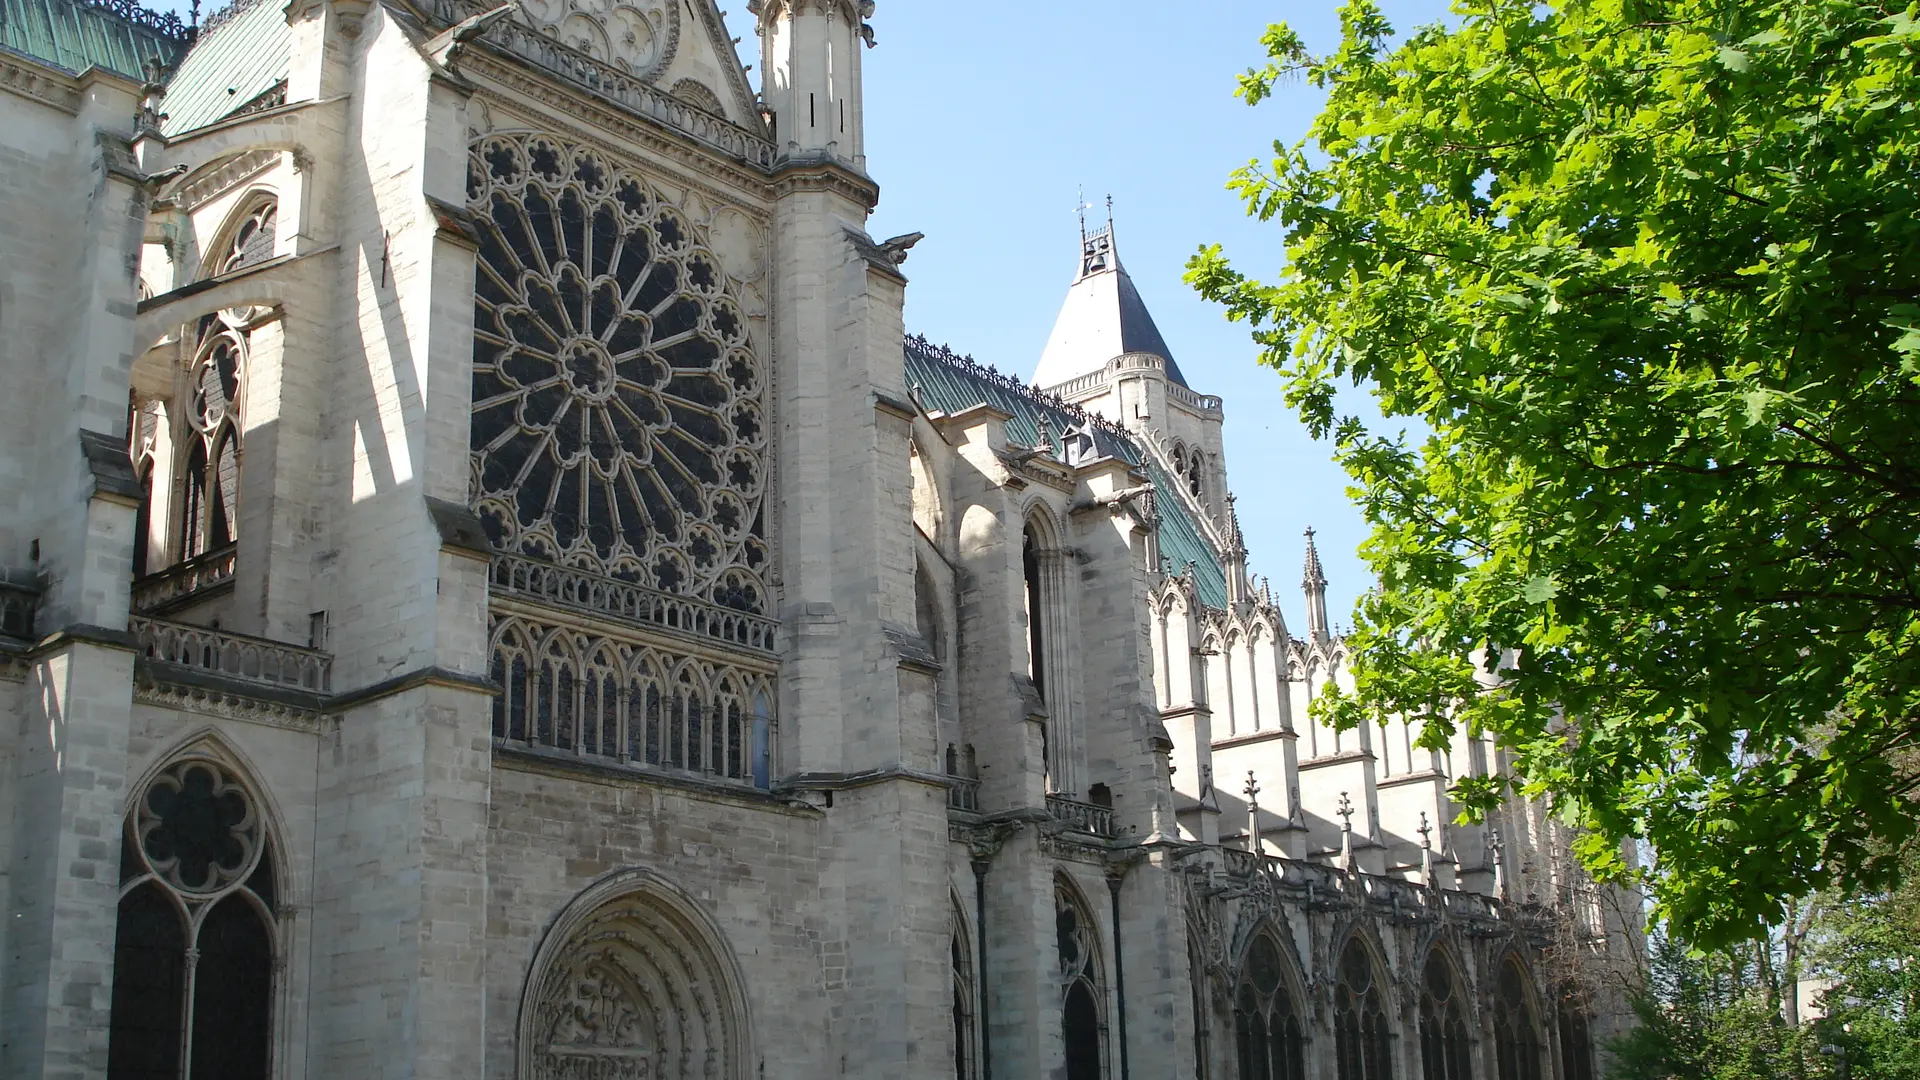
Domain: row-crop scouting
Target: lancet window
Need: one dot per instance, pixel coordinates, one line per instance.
(1516, 1034)
(1363, 1048)
(1083, 1017)
(1047, 635)
(194, 950)
(1190, 464)
(210, 441)
(1445, 1052)
(1576, 1038)
(1266, 1023)
(198, 460)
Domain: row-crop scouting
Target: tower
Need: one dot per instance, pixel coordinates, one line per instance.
(810, 67)
(1107, 355)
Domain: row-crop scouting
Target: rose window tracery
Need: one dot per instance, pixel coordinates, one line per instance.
(618, 422)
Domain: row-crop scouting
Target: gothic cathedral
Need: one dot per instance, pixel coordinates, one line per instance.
(490, 588)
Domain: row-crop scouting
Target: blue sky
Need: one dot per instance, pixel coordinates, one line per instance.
(984, 122)
(982, 130)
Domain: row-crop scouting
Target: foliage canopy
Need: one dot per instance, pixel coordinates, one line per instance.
(1645, 274)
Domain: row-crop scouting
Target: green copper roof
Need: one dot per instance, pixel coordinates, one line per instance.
(240, 56)
(1182, 545)
(945, 382)
(78, 34)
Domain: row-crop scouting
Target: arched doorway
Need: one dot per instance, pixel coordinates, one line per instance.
(633, 980)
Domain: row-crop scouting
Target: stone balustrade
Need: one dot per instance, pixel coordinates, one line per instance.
(1080, 816)
(530, 579)
(184, 582)
(963, 794)
(236, 656)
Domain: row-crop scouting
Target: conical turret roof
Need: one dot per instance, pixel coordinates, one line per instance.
(1103, 317)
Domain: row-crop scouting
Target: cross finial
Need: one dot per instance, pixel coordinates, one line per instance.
(1346, 813)
(1252, 789)
(1426, 832)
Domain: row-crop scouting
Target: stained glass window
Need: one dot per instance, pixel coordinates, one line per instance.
(1445, 1052)
(1082, 1025)
(197, 881)
(1363, 1047)
(1576, 1038)
(618, 416)
(1516, 1035)
(1266, 1025)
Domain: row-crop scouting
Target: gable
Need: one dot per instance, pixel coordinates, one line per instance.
(707, 60)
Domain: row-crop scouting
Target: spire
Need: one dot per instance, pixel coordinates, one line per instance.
(1103, 315)
(1314, 582)
(1233, 556)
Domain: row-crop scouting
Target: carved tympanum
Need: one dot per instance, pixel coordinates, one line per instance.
(633, 993)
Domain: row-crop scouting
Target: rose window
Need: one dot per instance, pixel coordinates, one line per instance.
(618, 423)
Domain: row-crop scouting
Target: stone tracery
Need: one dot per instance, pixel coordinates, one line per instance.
(638, 37)
(618, 421)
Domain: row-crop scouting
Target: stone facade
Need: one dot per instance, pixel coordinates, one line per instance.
(488, 588)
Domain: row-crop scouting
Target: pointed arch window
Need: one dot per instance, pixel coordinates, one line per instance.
(1083, 1021)
(1516, 1033)
(1266, 1024)
(1048, 631)
(1445, 1053)
(1363, 1047)
(195, 946)
(1576, 1038)
(210, 470)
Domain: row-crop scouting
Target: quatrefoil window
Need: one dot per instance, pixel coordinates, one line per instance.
(617, 402)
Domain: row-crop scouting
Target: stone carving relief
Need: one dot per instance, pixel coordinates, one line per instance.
(632, 991)
(636, 36)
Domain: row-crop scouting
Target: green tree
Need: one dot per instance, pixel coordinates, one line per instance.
(1646, 273)
(1732, 1014)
